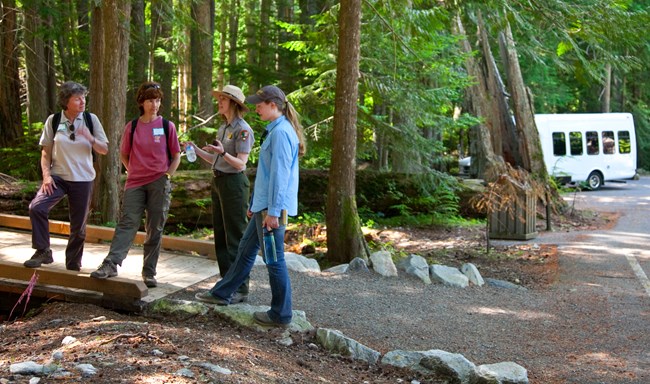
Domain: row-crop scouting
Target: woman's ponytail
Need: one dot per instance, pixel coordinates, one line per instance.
(294, 119)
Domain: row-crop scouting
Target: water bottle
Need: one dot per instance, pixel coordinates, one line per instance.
(190, 153)
(270, 256)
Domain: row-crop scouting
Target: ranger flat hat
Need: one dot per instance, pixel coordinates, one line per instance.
(233, 93)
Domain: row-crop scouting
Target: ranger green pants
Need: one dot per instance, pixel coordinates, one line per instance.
(230, 194)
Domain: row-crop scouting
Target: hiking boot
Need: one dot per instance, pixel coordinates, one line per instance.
(262, 318)
(238, 297)
(150, 281)
(41, 256)
(207, 297)
(106, 270)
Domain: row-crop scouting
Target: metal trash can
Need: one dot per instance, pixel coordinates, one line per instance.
(518, 222)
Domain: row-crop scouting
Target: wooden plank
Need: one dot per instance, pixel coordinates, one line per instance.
(115, 286)
(96, 234)
(51, 292)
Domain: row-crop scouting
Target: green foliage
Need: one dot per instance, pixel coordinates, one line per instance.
(381, 195)
(565, 47)
(310, 218)
(203, 203)
(641, 112)
(409, 83)
(22, 161)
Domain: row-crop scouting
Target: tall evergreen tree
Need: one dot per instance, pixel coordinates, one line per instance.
(115, 41)
(36, 63)
(202, 47)
(11, 127)
(344, 238)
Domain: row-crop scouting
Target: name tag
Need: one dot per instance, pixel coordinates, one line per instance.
(158, 131)
(61, 127)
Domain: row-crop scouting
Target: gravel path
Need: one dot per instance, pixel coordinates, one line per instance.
(592, 326)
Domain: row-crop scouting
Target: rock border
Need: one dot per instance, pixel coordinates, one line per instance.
(437, 363)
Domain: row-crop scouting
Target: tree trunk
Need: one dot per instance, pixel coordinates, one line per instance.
(479, 104)
(139, 52)
(403, 161)
(527, 136)
(162, 70)
(63, 27)
(344, 238)
(223, 42)
(184, 81)
(233, 33)
(381, 142)
(499, 121)
(267, 52)
(96, 104)
(35, 63)
(115, 13)
(202, 42)
(310, 8)
(607, 89)
(287, 59)
(52, 105)
(11, 126)
(252, 51)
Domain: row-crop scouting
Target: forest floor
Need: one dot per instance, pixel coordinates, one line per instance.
(154, 349)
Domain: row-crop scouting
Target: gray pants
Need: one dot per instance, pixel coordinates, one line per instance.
(154, 198)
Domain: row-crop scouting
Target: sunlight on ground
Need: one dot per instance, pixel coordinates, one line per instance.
(154, 379)
(521, 315)
(604, 359)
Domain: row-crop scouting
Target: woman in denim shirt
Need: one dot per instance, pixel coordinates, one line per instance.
(274, 198)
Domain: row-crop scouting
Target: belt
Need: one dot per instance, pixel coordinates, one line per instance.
(223, 174)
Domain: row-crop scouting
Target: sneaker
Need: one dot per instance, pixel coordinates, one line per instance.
(207, 297)
(150, 281)
(106, 270)
(239, 297)
(41, 256)
(262, 318)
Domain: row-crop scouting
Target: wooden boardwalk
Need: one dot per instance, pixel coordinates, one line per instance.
(177, 269)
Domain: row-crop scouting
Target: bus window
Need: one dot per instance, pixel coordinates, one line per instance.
(575, 143)
(559, 144)
(593, 145)
(624, 145)
(608, 142)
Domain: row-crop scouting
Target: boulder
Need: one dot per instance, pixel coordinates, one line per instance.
(382, 263)
(448, 276)
(417, 266)
(335, 342)
(472, 274)
(449, 367)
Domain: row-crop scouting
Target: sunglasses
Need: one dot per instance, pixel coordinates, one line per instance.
(72, 136)
(154, 86)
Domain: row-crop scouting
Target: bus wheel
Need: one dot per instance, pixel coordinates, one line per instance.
(595, 180)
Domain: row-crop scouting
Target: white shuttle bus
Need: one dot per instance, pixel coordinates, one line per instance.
(592, 147)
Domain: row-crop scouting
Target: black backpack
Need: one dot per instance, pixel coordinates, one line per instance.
(134, 123)
(56, 120)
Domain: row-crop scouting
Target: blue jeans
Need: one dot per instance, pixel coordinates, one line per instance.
(278, 274)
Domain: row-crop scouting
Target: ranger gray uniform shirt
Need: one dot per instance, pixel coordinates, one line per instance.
(236, 137)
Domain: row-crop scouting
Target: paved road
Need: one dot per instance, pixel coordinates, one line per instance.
(616, 264)
(624, 247)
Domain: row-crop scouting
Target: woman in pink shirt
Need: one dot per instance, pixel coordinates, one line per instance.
(150, 153)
